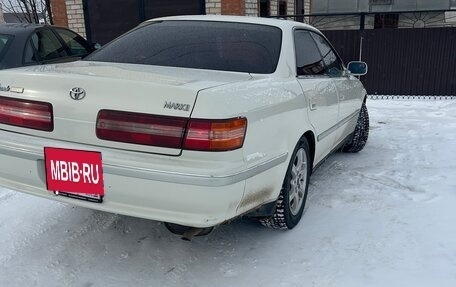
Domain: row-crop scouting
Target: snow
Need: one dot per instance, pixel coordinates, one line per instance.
(383, 217)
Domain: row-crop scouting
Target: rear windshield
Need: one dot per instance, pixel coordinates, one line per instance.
(5, 40)
(236, 47)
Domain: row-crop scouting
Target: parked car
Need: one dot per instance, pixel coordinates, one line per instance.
(190, 120)
(33, 44)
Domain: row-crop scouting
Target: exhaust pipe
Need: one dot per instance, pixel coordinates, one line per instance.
(188, 232)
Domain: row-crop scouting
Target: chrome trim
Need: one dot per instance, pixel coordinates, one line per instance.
(166, 176)
(195, 179)
(338, 125)
(16, 90)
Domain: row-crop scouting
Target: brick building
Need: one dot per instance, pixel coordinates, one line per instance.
(102, 20)
(69, 13)
(2, 20)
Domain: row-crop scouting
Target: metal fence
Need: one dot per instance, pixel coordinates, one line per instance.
(379, 19)
(402, 61)
(405, 97)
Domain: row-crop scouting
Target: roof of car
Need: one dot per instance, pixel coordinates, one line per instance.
(281, 23)
(18, 28)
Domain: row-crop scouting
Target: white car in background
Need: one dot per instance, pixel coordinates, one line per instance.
(190, 120)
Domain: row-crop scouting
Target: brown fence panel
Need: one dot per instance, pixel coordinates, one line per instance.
(403, 61)
(161, 8)
(106, 20)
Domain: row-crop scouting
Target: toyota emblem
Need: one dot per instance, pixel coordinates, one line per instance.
(77, 94)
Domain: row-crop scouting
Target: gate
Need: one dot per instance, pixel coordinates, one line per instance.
(402, 61)
(106, 20)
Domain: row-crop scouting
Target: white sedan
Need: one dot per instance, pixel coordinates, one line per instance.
(191, 120)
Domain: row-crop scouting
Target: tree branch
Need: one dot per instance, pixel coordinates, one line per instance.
(29, 11)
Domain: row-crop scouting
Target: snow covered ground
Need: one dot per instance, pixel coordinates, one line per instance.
(383, 217)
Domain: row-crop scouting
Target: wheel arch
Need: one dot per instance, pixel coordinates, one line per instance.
(310, 137)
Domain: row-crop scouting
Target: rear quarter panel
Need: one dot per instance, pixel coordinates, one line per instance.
(275, 109)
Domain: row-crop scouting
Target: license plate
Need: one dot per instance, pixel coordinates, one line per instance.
(74, 173)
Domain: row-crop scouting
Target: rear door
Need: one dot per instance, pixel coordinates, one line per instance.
(320, 90)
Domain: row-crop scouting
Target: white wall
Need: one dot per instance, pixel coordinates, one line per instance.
(76, 16)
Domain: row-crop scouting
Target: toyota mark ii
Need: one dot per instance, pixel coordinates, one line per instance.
(189, 120)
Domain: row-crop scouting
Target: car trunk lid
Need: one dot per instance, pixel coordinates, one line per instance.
(151, 90)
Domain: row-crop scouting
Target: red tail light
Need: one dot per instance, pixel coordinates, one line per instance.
(26, 114)
(141, 128)
(171, 132)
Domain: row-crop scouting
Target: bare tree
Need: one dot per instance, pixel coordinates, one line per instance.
(29, 11)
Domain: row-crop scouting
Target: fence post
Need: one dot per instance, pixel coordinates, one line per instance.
(362, 21)
(142, 11)
(361, 46)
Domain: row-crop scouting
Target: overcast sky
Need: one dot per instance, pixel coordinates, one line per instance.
(5, 4)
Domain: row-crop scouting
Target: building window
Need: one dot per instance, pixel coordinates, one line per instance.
(264, 8)
(386, 21)
(282, 8)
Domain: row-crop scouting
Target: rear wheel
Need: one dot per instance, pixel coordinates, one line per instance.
(359, 138)
(292, 198)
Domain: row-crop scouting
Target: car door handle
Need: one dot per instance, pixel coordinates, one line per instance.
(313, 106)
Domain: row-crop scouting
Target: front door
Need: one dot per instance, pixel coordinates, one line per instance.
(319, 89)
(349, 89)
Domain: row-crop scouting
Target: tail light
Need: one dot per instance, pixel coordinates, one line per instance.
(171, 132)
(26, 114)
(215, 135)
(141, 128)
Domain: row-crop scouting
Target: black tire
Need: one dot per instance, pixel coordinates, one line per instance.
(359, 137)
(284, 218)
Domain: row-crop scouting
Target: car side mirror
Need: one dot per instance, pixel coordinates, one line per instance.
(96, 46)
(357, 68)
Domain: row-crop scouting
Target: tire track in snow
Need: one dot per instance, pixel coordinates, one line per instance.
(97, 223)
(23, 244)
(323, 193)
(412, 193)
(5, 195)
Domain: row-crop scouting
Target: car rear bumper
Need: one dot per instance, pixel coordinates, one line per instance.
(191, 191)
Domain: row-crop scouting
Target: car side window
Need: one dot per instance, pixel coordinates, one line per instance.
(308, 58)
(5, 42)
(29, 55)
(48, 45)
(332, 62)
(77, 45)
